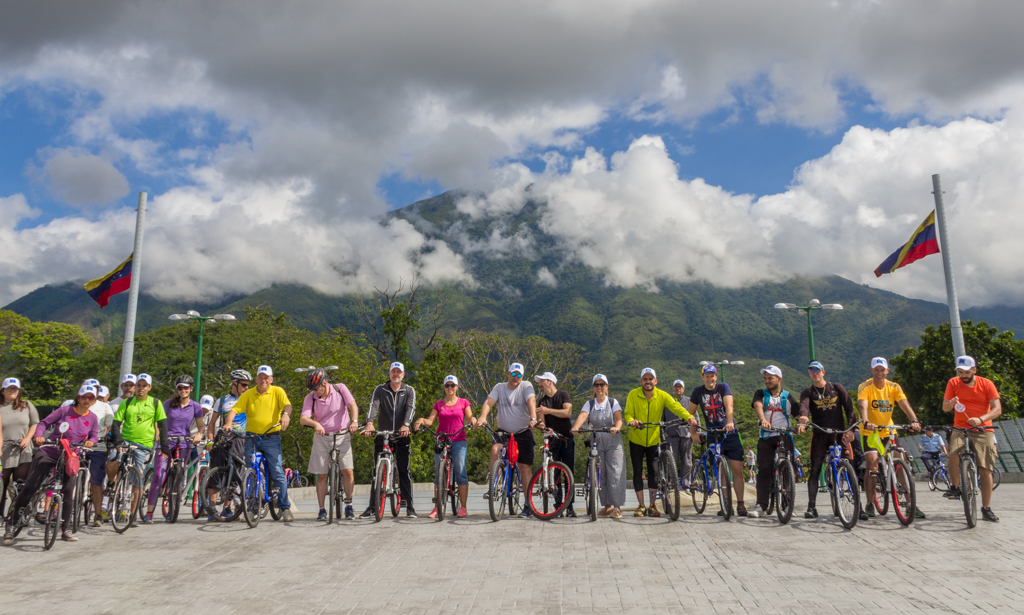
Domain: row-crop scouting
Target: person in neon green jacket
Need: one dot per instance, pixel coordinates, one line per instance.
(647, 404)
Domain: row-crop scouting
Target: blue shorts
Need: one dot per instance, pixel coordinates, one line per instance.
(458, 463)
(97, 467)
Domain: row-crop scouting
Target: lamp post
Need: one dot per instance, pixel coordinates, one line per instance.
(813, 304)
(723, 363)
(194, 315)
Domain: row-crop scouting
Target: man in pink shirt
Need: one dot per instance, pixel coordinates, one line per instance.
(330, 409)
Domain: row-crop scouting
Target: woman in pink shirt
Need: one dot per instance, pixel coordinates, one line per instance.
(452, 413)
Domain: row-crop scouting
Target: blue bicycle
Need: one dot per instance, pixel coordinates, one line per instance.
(939, 477)
(841, 480)
(260, 498)
(504, 485)
(712, 474)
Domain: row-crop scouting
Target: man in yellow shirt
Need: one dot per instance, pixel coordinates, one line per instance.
(264, 407)
(877, 397)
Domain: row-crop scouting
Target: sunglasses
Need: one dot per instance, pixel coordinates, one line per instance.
(89, 397)
(598, 385)
(451, 386)
(516, 375)
(183, 387)
(241, 383)
(813, 369)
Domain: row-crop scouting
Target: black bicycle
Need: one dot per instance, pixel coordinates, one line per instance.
(668, 476)
(227, 480)
(592, 479)
(52, 493)
(969, 482)
(445, 487)
(335, 492)
(128, 489)
(782, 495)
(174, 483)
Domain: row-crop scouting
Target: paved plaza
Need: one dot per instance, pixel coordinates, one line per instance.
(699, 564)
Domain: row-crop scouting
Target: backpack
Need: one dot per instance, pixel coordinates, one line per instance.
(783, 399)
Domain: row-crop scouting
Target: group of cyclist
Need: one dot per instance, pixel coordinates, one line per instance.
(100, 426)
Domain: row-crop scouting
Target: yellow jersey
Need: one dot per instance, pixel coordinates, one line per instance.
(881, 402)
(262, 411)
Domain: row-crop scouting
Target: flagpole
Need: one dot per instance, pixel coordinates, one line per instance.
(128, 350)
(947, 266)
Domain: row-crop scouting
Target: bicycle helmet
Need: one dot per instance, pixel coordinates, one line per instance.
(189, 380)
(315, 378)
(241, 374)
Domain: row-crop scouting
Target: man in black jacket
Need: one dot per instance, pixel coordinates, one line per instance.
(395, 403)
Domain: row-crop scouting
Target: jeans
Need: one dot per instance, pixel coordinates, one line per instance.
(930, 460)
(458, 457)
(270, 446)
(564, 451)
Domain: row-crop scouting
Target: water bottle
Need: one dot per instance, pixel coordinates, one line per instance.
(106, 501)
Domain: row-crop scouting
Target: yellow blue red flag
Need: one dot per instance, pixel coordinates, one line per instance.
(921, 244)
(117, 281)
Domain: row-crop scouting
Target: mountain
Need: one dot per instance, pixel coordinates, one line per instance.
(622, 330)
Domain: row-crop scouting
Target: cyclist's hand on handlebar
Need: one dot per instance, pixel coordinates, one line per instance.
(801, 428)
(39, 441)
(848, 437)
(352, 428)
(694, 422)
(634, 423)
(974, 421)
(613, 429)
(404, 431)
(869, 426)
(575, 430)
(285, 420)
(196, 438)
(916, 425)
(731, 426)
(319, 429)
(764, 424)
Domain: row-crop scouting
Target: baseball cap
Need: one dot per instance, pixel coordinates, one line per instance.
(965, 362)
(816, 365)
(129, 378)
(92, 382)
(87, 389)
(451, 379)
(104, 391)
(397, 365)
(516, 367)
(928, 428)
(145, 377)
(773, 370)
(600, 377)
(648, 370)
(679, 382)
(12, 382)
(546, 376)
(879, 361)
(206, 402)
(709, 369)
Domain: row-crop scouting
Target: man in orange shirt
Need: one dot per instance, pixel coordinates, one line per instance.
(976, 403)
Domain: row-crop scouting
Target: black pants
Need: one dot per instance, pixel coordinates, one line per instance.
(820, 444)
(42, 464)
(220, 457)
(637, 454)
(564, 451)
(930, 460)
(19, 472)
(766, 465)
(401, 450)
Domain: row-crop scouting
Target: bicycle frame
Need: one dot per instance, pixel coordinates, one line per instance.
(511, 468)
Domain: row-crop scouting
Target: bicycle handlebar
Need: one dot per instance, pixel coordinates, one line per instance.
(592, 430)
(978, 428)
(830, 430)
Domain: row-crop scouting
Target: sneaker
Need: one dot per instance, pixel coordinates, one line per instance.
(367, 513)
(863, 515)
(349, 512)
(527, 513)
(322, 515)
(869, 510)
(741, 510)
(8, 536)
(410, 513)
(462, 513)
(653, 512)
(210, 518)
(721, 513)
(287, 516)
(757, 512)
(986, 514)
(148, 519)
(918, 514)
(952, 493)
(96, 522)
(226, 514)
(433, 513)
(639, 512)
(104, 516)
(570, 513)
(68, 536)
(811, 513)
(487, 495)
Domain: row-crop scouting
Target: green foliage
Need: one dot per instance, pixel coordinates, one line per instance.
(924, 371)
(40, 354)
(399, 322)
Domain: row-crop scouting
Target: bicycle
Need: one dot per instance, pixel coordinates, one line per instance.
(385, 479)
(841, 480)
(195, 471)
(504, 484)
(174, 481)
(295, 480)
(259, 497)
(335, 493)
(83, 500)
(230, 478)
(665, 468)
(940, 475)
(782, 494)
(555, 483)
(712, 474)
(894, 477)
(592, 478)
(128, 491)
(53, 491)
(445, 478)
(969, 475)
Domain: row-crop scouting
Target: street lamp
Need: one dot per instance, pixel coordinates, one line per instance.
(194, 315)
(813, 304)
(703, 363)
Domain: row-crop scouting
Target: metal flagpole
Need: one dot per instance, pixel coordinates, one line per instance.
(947, 266)
(128, 349)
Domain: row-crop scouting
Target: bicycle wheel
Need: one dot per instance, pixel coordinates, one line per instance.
(699, 486)
(785, 490)
(969, 489)
(904, 496)
(591, 487)
(53, 518)
(496, 490)
(380, 490)
(121, 502)
(198, 500)
(670, 489)
(395, 497)
(252, 505)
(723, 476)
(332, 492)
(274, 503)
(173, 497)
(147, 485)
(880, 497)
(443, 480)
(996, 477)
(846, 496)
(550, 491)
(76, 502)
(339, 498)
(772, 496)
(933, 479)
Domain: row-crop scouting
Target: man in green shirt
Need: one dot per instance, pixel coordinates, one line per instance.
(136, 420)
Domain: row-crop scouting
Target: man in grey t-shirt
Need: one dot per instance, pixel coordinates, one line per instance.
(517, 414)
(678, 437)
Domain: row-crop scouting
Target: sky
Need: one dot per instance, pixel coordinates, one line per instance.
(731, 142)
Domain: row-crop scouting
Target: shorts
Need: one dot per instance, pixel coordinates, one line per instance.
(320, 454)
(97, 467)
(526, 443)
(982, 443)
(732, 446)
(868, 448)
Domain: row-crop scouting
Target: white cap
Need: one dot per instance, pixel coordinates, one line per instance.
(129, 378)
(92, 382)
(879, 361)
(206, 402)
(679, 382)
(147, 378)
(546, 376)
(648, 370)
(12, 382)
(516, 367)
(774, 371)
(451, 379)
(87, 389)
(965, 363)
(397, 365)
(264, 369)
(104, 391)
(600, 377)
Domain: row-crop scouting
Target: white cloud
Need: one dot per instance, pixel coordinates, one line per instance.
(545, 277)
(84, 180)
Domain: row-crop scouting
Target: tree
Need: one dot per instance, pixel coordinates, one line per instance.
(924, 371)
(399, 321)
(40, 354)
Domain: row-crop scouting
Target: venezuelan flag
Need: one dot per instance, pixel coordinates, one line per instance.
(921, 244)
(117, 281)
